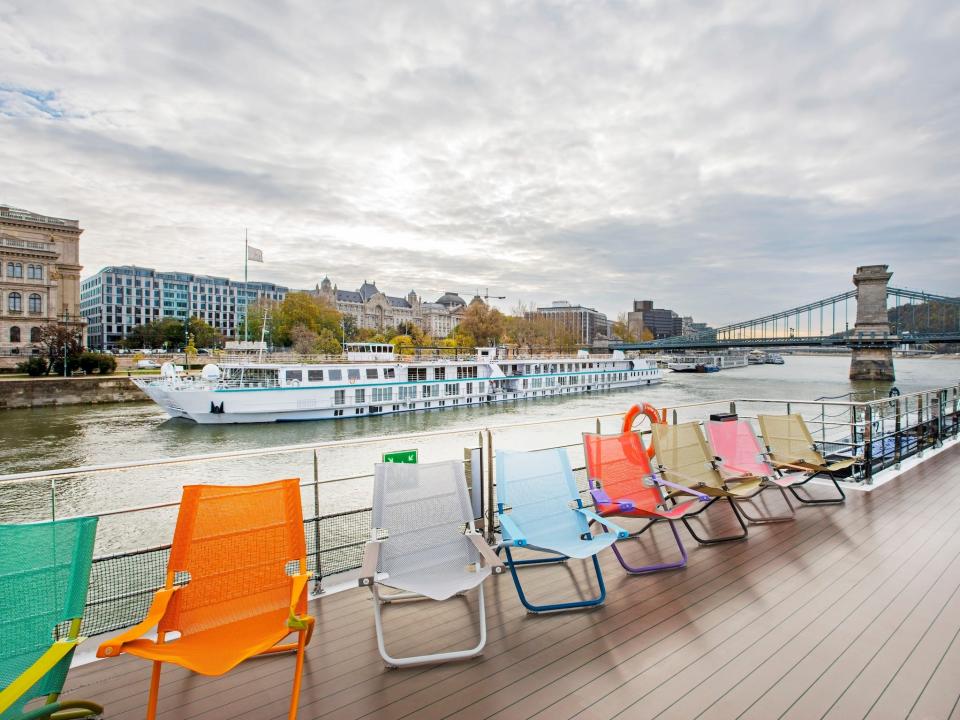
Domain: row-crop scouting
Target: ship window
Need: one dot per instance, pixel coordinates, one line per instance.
(359, 396)
(338, 397)
(439, 373)
(372, 373)
(353, 374)
(294, 375)
(451, 389)
(336, 374)
(416, 374)
(315, 375)
(389, 373)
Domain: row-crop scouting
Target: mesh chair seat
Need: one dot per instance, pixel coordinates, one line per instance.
(571, 546)
(438, 584)
(234, 643)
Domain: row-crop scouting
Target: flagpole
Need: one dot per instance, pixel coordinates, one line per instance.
(246, 258)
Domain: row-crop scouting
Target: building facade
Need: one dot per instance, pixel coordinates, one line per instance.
(587, 323)
(368, 307)
(660, 322)
(119, 298)
(39, 277)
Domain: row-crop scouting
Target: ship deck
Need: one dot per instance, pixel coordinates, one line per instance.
(850, 611)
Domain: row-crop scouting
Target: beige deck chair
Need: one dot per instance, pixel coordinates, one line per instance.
(791, 447)
(684, 458)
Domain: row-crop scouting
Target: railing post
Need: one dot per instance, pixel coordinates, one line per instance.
(53, 498)
(491, 504)
(318, 582)
(897, 435)
(868, 443)
(733, 407)
(921, 428)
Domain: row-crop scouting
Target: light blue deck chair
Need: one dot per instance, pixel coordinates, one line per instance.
(432, 550)
(44, 576)
(547, 514)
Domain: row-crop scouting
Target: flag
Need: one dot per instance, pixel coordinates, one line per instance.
(255, 254)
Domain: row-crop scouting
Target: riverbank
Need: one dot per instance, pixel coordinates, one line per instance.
(17, 393)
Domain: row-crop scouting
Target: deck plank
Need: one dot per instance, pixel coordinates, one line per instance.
(849, 611)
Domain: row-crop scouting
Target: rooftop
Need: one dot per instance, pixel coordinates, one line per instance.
(851, 611)
(11, 213)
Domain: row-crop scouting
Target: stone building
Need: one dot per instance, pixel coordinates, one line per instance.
(39, 277)
(369, 307)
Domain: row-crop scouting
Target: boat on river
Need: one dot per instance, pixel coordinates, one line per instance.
(374, 380)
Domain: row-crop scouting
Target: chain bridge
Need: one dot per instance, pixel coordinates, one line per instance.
(871, 319)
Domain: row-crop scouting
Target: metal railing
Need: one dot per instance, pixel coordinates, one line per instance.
(882, 432)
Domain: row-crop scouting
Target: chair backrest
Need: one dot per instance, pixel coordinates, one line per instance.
(620, 464)
(423, 508)
(735, 443)
(789, 439)
(539, 489)
(683, 455)
(236, 543)
(44, 577)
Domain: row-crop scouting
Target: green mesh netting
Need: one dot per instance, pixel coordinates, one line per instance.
(44, 574)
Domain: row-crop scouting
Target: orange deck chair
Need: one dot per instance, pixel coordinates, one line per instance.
(228, 592)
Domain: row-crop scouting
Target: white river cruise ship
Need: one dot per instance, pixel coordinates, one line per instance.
(374, 381)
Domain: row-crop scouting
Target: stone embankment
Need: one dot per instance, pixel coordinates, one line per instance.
(47, 391)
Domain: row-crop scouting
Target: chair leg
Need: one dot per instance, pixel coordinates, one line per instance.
(643, 570)
(726, 538)
(760, 520)
(436, 657)
(511, 563)
(827, 501)
(298, 674)
(154, 691)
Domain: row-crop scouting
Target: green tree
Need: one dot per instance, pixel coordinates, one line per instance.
(54, 340)
(204, 334)
(328, 344)
(302, 308)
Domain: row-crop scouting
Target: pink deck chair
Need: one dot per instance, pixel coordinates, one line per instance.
(738, 454)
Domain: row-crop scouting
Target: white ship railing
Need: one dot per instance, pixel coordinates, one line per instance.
(882, 431)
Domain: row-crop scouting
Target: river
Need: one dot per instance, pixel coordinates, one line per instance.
(49, 438)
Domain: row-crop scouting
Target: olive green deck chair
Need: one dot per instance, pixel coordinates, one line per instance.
(685, 459)
(791, 447)
(44, 576)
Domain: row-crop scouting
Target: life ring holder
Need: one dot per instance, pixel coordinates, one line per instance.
(635, 411)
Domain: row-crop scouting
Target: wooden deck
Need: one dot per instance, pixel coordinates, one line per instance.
(848, 612)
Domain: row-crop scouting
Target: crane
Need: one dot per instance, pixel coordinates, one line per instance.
(486, 295)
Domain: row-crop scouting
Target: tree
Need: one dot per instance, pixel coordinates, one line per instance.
(528, 329)
(54, 339)
(621, 330)
(302, 308)
(204, 334)
(304, 340)
(328, 344)
(403, 344)
(483, 323)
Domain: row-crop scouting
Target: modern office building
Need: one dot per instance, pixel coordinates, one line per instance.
(660, 322)
(39, 277)
(587, 323)
(119, 298)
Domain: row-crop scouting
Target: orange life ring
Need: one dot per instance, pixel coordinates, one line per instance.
(647, 409)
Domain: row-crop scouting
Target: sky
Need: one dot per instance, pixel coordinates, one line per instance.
(724, 159)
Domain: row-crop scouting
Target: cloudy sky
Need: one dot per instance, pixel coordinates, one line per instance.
(725, 159)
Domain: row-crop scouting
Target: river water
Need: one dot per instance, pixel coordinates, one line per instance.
(49, 438)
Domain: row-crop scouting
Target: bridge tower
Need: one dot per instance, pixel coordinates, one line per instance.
(871, 342)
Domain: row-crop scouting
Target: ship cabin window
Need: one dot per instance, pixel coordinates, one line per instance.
(389, 373)
(373, 373)
(315, 375)
(339, 396)
(416, 374)
(335, 374)
(469, 371)
(439, 373)
(353, 375)
(359, 396)
(294, 376)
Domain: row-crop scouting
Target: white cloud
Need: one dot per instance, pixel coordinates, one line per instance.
(725, 160)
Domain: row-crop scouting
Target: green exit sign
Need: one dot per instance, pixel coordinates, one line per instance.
(401, 456)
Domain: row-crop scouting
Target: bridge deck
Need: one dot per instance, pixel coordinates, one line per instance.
(848, 612)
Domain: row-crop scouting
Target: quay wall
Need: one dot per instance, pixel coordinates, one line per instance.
(47, 391)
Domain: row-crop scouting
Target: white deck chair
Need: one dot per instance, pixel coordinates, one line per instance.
(432, 550)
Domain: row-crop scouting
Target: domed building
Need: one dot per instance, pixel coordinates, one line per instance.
(371, 308)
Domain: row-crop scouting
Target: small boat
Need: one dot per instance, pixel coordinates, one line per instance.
(774, 359)
(682, 367)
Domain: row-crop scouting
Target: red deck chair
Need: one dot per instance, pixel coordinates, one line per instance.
(228, 592)
(623, 484)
